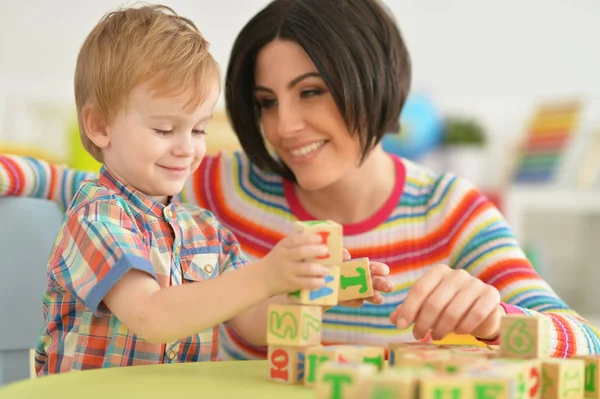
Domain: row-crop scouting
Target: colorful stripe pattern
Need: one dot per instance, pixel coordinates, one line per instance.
(437, 219)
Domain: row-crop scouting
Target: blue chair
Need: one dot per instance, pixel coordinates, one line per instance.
(28, 229)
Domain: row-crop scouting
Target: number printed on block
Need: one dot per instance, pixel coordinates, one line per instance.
(331, 235)
(286, 364)
(294, 325)
(523, 336)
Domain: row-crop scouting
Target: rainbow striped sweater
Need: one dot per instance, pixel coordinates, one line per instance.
(428, 219)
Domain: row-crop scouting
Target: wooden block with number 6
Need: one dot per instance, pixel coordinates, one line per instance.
(331, 235)
(294, 325)
(524, 337)
(324, 296)
(355, 280)
(286, 364)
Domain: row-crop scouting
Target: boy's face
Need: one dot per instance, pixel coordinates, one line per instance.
(155, 142)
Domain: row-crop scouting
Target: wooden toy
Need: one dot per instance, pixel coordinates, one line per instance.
(523, 336)
(294, 325)
(342, 380)
(393, 383)
(367, 354)
(563, 378)
(355, 280)
(317, 355)
(331, 234)
(286, 364)
(446, 387)
(324, 296)
(592, 375)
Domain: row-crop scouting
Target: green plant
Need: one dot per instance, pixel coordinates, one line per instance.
(460, 132)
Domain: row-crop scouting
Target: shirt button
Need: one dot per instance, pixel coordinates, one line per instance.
(208, 268)
(177, 251)
(168, 213)
(171, 355)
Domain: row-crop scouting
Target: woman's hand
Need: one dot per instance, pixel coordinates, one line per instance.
(447, 301)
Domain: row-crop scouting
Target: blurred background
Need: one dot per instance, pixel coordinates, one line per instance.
(506, 94)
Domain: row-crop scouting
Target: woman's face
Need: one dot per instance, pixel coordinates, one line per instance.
(300, 119)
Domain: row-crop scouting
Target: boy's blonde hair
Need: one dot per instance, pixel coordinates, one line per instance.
(149, 44)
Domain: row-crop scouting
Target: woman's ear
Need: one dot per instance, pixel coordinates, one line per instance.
(95, 126)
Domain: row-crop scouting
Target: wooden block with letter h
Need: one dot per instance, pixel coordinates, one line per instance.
(342, 380)
(524, 337)
(563, 378)
(294, 325)
(324, 296)
(331, 235)
(355, 280)
(286, 364)
(592, 375)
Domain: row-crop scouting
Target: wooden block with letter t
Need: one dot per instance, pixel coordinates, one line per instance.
(317, 355)
(342, 380)
(524, 337)
(563, 378)
(294, 325)
(355, 280)
(331, 235)
(286, 364)
(592, 375)
(324, 296)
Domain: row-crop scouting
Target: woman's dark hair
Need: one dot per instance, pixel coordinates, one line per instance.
(356, 47)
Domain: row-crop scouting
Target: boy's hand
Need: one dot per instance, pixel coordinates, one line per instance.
(380, 283)
(292, 264)
(447, 301)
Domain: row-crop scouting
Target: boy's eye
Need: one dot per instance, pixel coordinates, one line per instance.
(163, 132)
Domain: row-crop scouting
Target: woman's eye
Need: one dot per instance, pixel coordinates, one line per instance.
(163, 132)
(267, 103)
(199, 132)
(310, 93)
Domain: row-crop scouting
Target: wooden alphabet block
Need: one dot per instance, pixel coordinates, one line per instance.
(592, 375)
(342, 380)
(324, 296)
(355, 280)
(331, 235)
(498, 383)
(374, 355)
(317, 355)
(524, 337)
(286, 364)
(392, 384)
(294, 325)
(563, 378)
(527, 375)
(446, 387)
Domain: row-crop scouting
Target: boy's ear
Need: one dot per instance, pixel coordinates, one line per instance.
(95, 126)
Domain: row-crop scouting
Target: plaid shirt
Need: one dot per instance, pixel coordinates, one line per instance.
(108, 230)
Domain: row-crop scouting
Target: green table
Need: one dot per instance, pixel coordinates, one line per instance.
(236, 379)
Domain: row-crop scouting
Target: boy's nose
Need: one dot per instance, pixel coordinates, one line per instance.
(184, 146)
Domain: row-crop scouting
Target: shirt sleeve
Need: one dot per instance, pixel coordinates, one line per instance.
(31, 177)
(484, 245)
(98, 244)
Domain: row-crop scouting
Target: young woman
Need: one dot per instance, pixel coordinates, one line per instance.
(311, 88)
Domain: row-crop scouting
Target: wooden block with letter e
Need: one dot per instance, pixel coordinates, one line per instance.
(355, 280)
(294, 325)
(342, 380)
(331, 235)
(286, 364)
(592, 375)
(563, 378)
(324, 296)
(525, 337)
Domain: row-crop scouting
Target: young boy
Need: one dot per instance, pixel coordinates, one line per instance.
(132, 278)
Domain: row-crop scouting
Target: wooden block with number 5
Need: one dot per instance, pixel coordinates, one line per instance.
(524, 337)
(294, 325)
(355, 280)
(331, 235)
(286, 364)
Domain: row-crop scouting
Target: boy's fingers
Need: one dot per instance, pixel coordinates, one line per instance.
(308, 252)
(296, 240)
(346, 255)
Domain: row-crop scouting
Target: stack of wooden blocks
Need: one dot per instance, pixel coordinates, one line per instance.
(518, 368)
(294, 331)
